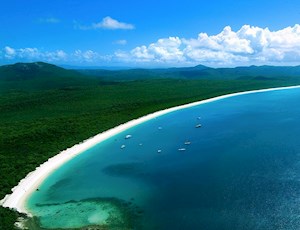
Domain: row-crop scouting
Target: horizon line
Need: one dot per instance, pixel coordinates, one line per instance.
(124, 67)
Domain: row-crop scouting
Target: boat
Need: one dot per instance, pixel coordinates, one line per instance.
(159, 151)
(128, 136)
(198, 126)
(187, 143)
(123, 146)
(181, 149)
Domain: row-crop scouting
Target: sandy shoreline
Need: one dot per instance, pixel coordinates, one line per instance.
(26, 186)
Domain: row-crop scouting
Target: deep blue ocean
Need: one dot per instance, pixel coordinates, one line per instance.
(239, 170)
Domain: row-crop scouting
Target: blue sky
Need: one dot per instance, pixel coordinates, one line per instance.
(151, 33)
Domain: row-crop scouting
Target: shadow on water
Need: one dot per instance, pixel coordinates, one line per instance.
(131, 169)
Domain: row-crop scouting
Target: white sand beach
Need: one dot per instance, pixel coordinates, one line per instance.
(30, 183)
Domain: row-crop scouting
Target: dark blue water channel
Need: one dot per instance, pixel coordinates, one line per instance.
(240, 170)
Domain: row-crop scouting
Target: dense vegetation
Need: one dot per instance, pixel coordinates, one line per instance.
(201, 72)
(46, 113)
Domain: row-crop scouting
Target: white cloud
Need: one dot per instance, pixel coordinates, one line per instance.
(248, 45)
(106, 23)
(58, 55)
(165, 50)
(31, 54)
(120, 42)
(35, 54)
(227, 41)
(86, 56)
(9, 52)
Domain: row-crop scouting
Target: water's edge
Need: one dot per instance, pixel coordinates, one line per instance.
(26, 186)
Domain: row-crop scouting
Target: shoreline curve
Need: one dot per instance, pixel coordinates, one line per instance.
(16, 200)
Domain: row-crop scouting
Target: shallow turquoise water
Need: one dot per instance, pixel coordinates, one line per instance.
(240, 171)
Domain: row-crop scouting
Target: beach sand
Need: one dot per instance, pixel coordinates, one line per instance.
(20, 193)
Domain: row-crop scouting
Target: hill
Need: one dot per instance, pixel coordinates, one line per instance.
(40, 75)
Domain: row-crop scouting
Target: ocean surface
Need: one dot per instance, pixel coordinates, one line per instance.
(239, 170)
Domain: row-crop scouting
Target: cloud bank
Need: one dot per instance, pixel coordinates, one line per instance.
(247, 46)
(35, 54)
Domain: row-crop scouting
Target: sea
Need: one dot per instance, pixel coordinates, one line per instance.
(233, 163)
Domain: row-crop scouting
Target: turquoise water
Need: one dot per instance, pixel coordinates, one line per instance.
(241, 170)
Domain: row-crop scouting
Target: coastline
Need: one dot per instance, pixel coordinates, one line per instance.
(28, 185)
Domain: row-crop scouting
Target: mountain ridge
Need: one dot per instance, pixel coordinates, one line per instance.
(198, 72)
(41, 73)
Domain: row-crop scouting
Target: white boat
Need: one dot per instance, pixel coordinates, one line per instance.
(198, 126)
(123, 146)
(187, 143)
(181, 149)
(128, 136)
(159, 151)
